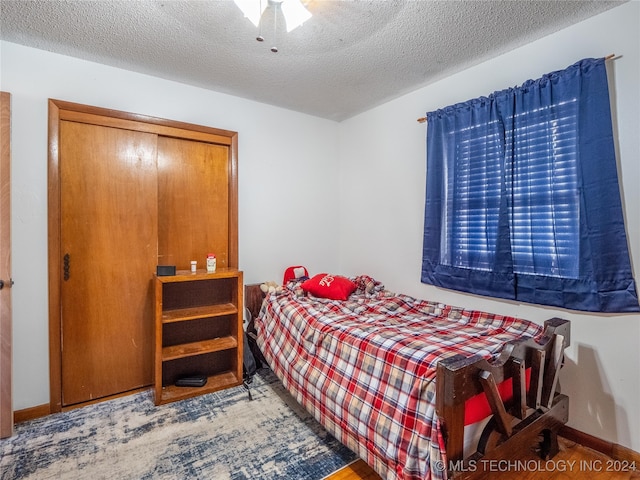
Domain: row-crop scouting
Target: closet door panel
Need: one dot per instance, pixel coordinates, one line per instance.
(193, 202)
(108, 202)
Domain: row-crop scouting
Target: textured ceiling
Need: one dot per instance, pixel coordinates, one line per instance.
(349, 57)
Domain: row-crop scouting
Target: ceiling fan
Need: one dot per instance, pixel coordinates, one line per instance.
(294, 12)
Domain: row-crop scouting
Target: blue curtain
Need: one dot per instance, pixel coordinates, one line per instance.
(523, 201)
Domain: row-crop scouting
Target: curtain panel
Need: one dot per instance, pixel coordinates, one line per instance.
(522, 199)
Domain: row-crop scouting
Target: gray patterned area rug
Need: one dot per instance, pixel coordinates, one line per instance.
(220, 435)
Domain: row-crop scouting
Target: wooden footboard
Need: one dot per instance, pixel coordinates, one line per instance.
(537, 411)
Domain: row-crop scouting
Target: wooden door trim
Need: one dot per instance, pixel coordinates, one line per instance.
(233, 204)
(59, 110)
(6, 401)
(113, 118)
(176, 130)
(55, 321)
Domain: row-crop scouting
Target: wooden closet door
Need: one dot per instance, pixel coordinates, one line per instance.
(108, 190)
(193, 202)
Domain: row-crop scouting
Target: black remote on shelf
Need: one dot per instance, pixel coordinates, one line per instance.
(195, 381)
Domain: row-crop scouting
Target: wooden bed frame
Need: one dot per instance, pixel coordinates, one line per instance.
(530, 420)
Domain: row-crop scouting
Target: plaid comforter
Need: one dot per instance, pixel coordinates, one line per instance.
(365, 368)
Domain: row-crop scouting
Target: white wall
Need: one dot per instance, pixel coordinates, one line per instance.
(288, 190)
(383, 156)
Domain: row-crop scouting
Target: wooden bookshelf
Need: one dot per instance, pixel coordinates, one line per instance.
(198, 332)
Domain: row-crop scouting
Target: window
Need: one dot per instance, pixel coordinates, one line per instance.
(517, 186)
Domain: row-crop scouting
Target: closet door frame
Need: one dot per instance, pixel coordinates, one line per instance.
(6, 322)
(61, 110)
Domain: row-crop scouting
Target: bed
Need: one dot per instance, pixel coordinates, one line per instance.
(417, 389)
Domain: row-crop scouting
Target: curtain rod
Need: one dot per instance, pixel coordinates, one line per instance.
(608, 57)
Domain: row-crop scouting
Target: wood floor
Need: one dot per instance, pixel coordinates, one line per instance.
(574, 462)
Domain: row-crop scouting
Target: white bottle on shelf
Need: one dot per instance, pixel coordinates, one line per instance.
(211, 263)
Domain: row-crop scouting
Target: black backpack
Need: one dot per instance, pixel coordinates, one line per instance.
(249, 364)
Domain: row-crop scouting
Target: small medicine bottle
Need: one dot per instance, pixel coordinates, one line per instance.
(211, 262)
(194, 265)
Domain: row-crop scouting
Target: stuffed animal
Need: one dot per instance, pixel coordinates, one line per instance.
(270, 287)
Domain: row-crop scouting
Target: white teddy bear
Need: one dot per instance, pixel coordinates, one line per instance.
(270, 287)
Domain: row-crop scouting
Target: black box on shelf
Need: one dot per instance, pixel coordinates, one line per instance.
(165, 270)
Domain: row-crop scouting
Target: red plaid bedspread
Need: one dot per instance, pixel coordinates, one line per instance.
(365, 368)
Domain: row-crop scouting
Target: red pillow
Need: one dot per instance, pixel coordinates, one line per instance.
(334, 287)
